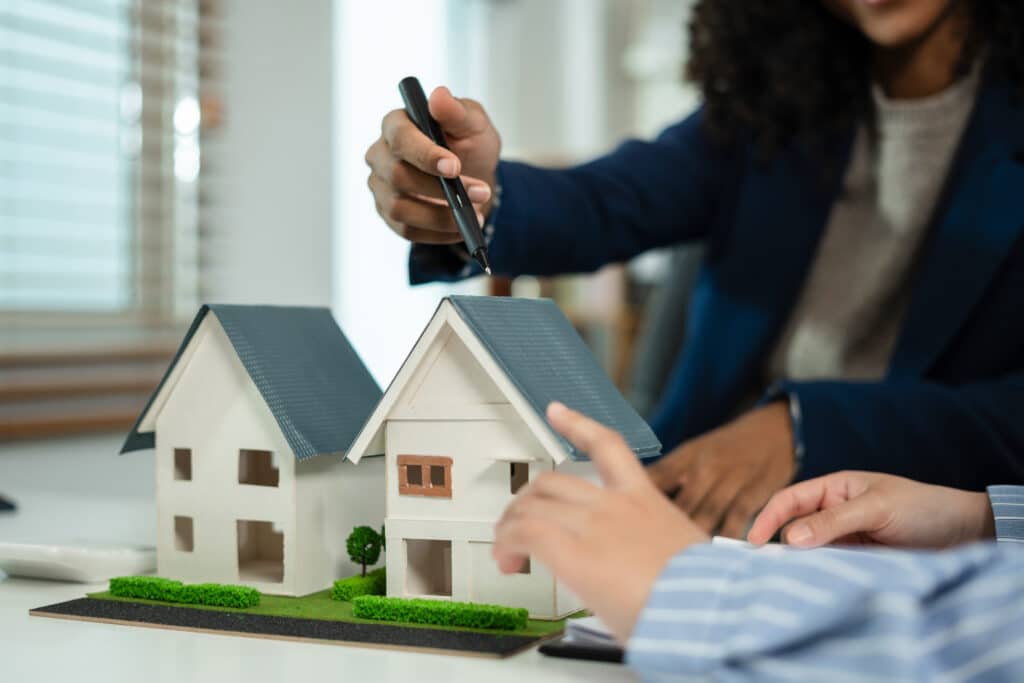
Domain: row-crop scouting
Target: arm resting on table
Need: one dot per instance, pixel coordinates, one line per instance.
(809, 615)
(965, 437)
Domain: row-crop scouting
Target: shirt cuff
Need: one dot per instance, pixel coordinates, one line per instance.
(1008, 511)
(778, 392)
(689, 589)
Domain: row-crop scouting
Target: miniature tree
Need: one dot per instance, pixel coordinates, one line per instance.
(363, 546)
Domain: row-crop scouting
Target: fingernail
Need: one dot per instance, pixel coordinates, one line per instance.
(447, 167)
(555, 407)
(799, 534)
(479, 193)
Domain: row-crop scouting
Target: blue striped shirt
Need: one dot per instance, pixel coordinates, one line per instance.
(831, 614)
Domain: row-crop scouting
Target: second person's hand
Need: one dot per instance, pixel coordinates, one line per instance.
(873, 508)
(721, 479)
(405, 165)
(607, 542)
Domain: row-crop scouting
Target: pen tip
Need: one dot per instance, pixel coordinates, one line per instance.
(480, 255)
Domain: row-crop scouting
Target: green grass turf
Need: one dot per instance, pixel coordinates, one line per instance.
(320, 606)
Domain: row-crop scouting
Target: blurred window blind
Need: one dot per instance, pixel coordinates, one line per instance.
(104, 108)
(99, 160)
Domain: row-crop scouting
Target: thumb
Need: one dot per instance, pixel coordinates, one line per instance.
(827, 525)
(665, 473)
(458, 118)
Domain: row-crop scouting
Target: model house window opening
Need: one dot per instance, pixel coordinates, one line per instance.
(260, 551)
(184, 534)
(425, 475)
(428, 569)
(519, 474)
(257, 468)
(183, 464)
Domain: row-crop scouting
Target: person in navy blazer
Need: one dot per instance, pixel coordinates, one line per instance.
(950, 408)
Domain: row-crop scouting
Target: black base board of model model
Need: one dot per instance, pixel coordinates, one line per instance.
(291, 628)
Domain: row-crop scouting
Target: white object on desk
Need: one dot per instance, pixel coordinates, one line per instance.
(591, 631)
(79, 562)
(766, 548)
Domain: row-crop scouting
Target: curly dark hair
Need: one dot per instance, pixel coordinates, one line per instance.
(791, 70)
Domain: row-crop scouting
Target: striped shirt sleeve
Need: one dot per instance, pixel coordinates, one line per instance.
(1008, 510)
(835, 614)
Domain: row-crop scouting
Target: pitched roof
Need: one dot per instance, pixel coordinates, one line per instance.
(544, 357)
(311, 378)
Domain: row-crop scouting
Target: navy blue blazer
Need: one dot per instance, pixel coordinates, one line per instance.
(951, 408)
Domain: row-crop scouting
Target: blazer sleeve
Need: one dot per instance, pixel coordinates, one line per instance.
(642, 195)
(966, 436)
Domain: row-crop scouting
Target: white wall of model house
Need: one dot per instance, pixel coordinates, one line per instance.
(287, 538)
(452, 408)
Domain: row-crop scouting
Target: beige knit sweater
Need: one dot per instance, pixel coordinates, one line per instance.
(850, 312)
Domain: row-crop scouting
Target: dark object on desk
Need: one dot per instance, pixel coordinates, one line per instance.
(234, 622)
(569, 649)
(418, 109)
(7, 505)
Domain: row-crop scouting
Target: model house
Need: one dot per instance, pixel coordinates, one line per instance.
(462, 429)
(250, 426)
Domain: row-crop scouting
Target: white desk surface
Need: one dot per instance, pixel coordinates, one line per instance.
(80, 489)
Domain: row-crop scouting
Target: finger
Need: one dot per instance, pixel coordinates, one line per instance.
(458, 118)
(793, 501)
(409, 180)
(849, 539)
(563, 487)
(697, 483)
(409, 211)
(713, 508)
(420, 236)
(665, 472)
(616, 464)
(741, 510)
(859, 515)
(555, 547)
(403, 176)
(408, 143)
(571, 517)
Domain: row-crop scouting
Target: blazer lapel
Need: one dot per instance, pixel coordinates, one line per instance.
(778, 224)
(753, 272)
(981, 215)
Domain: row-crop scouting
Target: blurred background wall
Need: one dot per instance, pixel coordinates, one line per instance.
(156, 155)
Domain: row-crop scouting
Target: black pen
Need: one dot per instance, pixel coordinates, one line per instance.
(454, 191)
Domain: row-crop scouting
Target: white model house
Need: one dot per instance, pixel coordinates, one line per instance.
(462, 429)
(250, 425)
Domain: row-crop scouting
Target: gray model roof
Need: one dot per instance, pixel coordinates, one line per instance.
(311, 378)
(546, 360)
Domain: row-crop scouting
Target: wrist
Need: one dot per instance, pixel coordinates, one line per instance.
(987, 517)
(786, 416)
(980, 522)
(778, 393)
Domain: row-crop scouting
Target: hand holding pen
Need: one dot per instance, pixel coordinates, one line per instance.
(405, 166)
